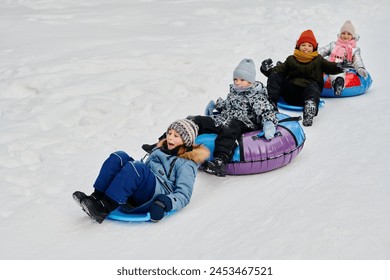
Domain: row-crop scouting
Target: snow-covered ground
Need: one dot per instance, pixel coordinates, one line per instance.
(80, 79)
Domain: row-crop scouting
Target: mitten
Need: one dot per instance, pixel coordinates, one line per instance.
(148, 147)
(266, 65)
(161, 204)
(343, 65)
(362, 72)
(209, 108)
(269, 130)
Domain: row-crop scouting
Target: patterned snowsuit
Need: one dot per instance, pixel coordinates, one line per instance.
(241, 111)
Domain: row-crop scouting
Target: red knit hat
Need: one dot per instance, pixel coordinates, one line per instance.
(307, 36)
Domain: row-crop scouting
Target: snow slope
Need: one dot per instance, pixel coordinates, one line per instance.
(80, 79)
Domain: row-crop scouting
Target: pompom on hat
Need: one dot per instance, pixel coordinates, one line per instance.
(307, 36)
(246, 70)
(187, 130)
(348, 27)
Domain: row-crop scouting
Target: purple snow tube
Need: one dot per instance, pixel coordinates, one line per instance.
(257, 154)
(262, 155)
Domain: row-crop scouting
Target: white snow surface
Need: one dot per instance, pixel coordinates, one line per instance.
(80, 79)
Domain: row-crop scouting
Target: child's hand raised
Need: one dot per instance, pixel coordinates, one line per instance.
(266, 65)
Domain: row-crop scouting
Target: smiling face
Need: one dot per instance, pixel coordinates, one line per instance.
(346, 36)
(306, 47)
(173, 139)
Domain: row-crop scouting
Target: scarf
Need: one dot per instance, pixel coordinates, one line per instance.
(241, 89)
(304, 57)
(342, 50)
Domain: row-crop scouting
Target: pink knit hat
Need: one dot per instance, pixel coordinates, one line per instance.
(348, 27)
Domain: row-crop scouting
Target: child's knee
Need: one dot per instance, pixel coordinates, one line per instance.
(122, 156)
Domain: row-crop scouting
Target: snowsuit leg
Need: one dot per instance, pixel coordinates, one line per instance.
(226, 141)
(312, 92)
(110, 168)
(121, 178)
(274, 86)
(206, 124)
(227, 136)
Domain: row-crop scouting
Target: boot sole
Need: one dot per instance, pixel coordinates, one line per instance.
(87, 208)
(210, 171)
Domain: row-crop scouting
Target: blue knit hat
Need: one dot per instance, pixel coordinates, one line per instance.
(245, 70)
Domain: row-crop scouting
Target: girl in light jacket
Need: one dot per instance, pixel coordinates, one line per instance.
(344, 50)
(162, 183)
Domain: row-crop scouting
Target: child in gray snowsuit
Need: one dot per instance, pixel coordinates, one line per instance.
(246, 108)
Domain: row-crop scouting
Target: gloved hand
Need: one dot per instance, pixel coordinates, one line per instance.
(362, 72)
(343, 65)
(266, 65)
(209, 108)
(161, 204)
(269, 130)
(148, 147)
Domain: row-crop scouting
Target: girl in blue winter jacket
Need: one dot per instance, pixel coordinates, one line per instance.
(162, 183)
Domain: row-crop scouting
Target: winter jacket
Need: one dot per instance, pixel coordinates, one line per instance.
(357, 61)
(251, 106)
(175, 175)
(302, 74)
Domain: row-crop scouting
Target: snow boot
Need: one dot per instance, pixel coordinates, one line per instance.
(99, 209)
(217, 166)
(309, 112)
(338, 86)
(79, 196)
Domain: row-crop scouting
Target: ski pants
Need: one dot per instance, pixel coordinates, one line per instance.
(125, 180)
(227, 135)
(279, 86)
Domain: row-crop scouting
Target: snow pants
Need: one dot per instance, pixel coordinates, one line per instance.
(227, 136)
(279, 86)
(126, 181)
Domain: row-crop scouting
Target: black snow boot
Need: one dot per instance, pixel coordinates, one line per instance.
(338, 86)
(79, 196)
(99, 209)
(309, 112)
(217, 166)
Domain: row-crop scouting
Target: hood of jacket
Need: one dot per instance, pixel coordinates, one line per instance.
(197, 153)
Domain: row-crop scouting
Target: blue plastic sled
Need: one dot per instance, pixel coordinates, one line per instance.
(283, 105)
(119, 215)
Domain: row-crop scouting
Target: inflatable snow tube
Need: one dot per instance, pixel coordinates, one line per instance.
(354, 85)
(283, 105)
(255, 154)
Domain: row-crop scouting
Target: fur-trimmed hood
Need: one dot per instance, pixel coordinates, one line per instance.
(198, 153)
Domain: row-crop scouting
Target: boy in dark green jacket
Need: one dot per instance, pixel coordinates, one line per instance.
(299, 80)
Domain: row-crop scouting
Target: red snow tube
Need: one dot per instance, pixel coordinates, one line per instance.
(354, 85)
